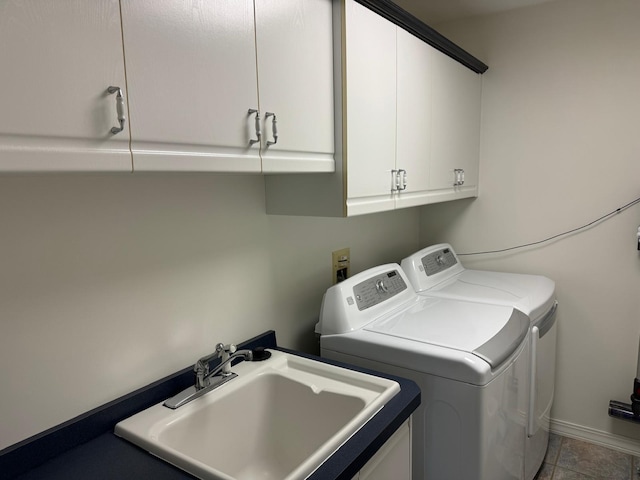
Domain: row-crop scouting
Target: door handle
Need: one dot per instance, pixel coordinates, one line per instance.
(257, 126)
(531, 418)
(119, 108)
(274, 127)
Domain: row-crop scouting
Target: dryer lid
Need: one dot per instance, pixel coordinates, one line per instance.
(490, 332)
(436, 270)
(532, 294)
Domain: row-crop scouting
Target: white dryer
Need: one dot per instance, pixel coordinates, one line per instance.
(436, 271)
(469, 360)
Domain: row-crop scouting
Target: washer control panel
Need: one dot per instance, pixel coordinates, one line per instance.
(377, 289)
(438, 261)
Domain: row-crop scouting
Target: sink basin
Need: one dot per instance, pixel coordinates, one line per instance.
(279, 419)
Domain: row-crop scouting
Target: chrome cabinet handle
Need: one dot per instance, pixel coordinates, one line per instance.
(119, 108)
(274, 127)
(258, 132)
(402, 179)
(398, 180)
(394, 181)
(459, 177)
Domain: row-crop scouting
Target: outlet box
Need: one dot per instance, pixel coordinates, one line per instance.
(341, 265)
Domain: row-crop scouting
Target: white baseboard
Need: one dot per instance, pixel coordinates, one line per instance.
(598, 437)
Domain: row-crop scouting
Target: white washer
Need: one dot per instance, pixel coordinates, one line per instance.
(437, 271)
(469, 360)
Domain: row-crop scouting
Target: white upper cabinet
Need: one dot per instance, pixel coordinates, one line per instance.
(369, 90)
(247, 86)
(191, 72)
(57, 60)
(412, 118)
(295, 81)
(455, 146)
(407, 124)
(216, 86)
(413, 129)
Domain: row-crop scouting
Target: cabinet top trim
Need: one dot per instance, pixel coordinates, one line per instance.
(411, 24)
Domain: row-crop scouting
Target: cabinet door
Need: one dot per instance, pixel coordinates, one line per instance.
(414, 117)
(295, 71)
(456, 124)
(370, 85)
(393, 460)
(57, 59)
(191, 71)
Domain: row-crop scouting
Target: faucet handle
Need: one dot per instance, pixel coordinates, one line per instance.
(224, 352)
(223, 349)
(201, 367)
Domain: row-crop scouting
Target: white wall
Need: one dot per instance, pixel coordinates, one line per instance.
(560, 147)
(108, 283)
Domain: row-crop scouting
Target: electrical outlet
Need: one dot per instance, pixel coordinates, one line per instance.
(341, 265)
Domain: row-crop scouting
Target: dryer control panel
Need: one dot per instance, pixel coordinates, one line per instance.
(378, 289)
(436, 262)
(431, 266)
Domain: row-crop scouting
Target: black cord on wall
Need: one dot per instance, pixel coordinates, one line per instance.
(568, 232)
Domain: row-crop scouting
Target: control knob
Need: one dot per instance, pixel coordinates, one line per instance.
(381, 287)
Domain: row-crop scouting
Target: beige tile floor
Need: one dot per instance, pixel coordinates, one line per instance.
(569, 459)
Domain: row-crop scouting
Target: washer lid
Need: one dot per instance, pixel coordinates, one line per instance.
(490, 332)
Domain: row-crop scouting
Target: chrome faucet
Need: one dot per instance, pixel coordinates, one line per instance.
(207, 381)
(227, 353)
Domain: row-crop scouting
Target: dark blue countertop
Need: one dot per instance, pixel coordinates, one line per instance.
(86, 447)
